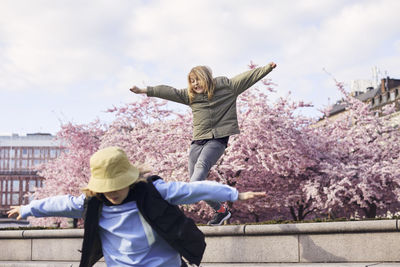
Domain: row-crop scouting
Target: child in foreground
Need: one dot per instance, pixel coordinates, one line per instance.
(132, 221)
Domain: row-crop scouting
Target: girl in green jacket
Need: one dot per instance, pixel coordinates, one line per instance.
(213, 104)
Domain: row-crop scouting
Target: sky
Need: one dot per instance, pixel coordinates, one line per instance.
(69, 61)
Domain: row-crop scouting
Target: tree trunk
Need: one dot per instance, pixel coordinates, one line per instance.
(301, 212)
(370, 212)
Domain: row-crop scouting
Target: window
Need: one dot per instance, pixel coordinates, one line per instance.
(15, 186)
(4, 153)
(24, 152)
(36, 153)
(15, 199)
(32, 184)
(53, 153)
(392, 95)
(4, 164)
(12, 164)
(12, 153)
(17, 164)
(24, 164)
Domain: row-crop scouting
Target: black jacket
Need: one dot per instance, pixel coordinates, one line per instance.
(167, 220)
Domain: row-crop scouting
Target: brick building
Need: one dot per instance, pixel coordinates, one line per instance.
(18, 156)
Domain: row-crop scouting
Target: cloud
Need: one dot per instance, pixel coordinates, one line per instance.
(51, 46)
(96, 50)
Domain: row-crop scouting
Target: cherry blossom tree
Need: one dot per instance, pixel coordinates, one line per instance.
(69, 172)
(275, 152)
(154, 135)
(362, 175)
(345, 166)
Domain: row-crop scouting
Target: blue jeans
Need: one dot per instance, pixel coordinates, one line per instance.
(201, 159)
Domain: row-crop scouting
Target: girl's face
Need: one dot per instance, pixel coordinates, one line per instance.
(116, 197)
(196, 85)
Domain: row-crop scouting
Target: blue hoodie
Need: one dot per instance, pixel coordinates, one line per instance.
(124, 245)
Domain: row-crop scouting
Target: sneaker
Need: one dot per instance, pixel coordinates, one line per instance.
(219, 218)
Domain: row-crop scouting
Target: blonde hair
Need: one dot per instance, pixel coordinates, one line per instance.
(204, 75)
(143, 169)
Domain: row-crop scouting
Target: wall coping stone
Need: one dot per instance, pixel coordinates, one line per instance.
(237, 230)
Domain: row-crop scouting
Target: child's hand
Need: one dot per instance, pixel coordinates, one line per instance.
(250, 194)
(137, 90)
(15, 210)
(273, 65)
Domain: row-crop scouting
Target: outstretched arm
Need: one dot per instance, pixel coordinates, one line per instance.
(188, 193)
(57, 206)
(245, 80)
(164, 92)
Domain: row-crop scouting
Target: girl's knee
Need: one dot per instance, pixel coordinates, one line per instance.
(203, 164)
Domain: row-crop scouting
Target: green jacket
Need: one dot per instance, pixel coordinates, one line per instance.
(217, 117)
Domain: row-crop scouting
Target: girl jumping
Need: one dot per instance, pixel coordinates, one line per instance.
(213, 104)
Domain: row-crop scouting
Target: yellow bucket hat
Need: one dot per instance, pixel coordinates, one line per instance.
(111, 170)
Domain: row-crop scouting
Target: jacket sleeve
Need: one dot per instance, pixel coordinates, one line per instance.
(169, 93)
(178, 193)
(57, 206)
(247, 79)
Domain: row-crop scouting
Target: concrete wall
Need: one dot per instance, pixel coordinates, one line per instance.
(362, 241)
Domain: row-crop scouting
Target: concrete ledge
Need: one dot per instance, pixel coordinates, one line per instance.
(304, 228)
(345, 242)
(226, 230)
(59, 233)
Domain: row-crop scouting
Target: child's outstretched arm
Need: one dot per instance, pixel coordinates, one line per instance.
(188, 193)
(56, 206)
(245, 80)
(165, 92)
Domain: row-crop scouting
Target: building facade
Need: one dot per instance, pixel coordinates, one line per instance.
(18, 157)
(387, 92)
